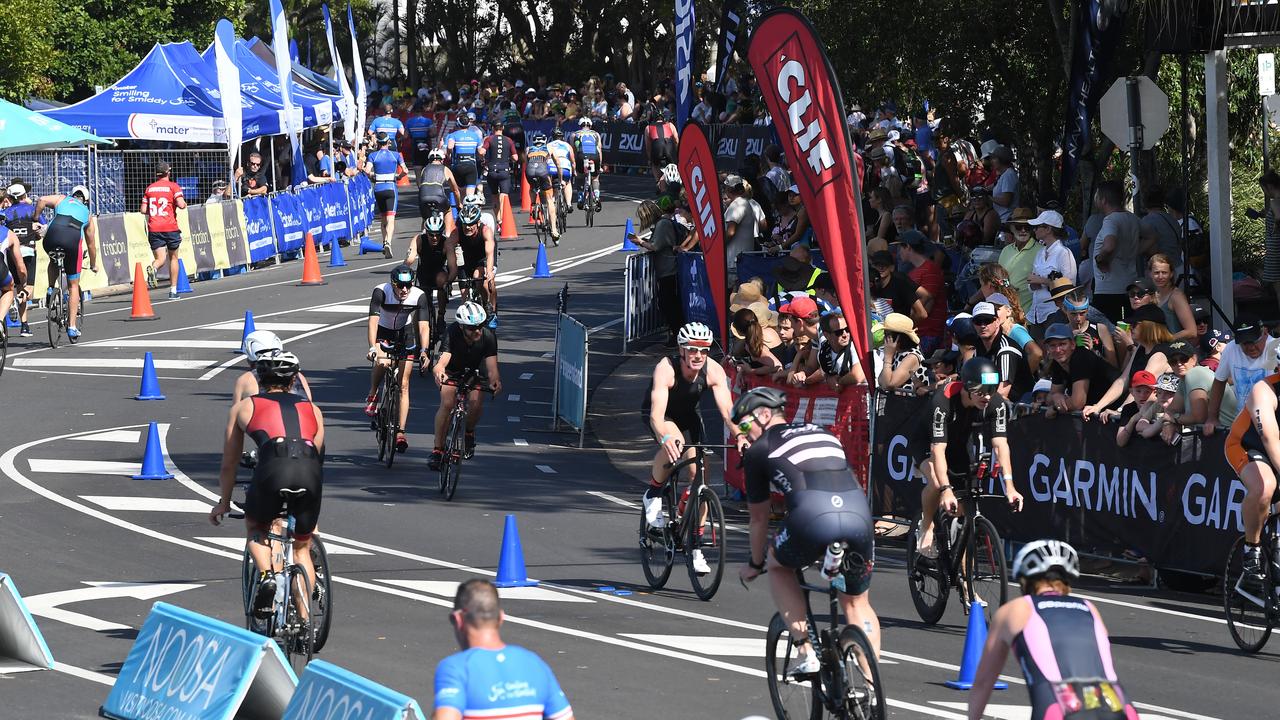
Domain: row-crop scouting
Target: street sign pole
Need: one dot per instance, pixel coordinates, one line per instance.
(1134, 103)
(1266, 87)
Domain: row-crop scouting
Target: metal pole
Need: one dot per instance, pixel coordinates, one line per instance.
(1135, 137)
(626, 304)
(1183, 61)
(586, 382)
(1217, 86)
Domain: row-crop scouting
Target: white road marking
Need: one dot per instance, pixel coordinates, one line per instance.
(512, 397)
(360, 309)
(237, 543)
(1149, 608)
(120, 436)
(613, 499)
(148, 504)
(706, 644)
(1170, 711)
(547, 469)
(272, 326)
(84, 467)
(548, 355)
(49, 605)
(449, 588)
(604, 326)
(526, 376)
(153, 343)
(84, 674)
(237, 359)
(513, 418)
(520, 442)
(48, 362)
(999, 712)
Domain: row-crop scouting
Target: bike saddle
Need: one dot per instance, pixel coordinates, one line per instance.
(289, 494)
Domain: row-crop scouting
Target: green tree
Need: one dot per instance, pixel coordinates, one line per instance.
(28, 55)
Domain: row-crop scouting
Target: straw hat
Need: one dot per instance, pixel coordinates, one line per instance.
(1060, 287)
(765, 316)
(747, 293)
(899, 323)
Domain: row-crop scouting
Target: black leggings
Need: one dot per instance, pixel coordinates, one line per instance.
(669, 303)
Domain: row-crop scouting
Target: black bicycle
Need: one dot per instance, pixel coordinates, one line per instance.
(455, 448)
(1253, 613)
(58, 302)
(848, 684)
(589, 197)
(695, 523)
(386, 422)
(476, 288)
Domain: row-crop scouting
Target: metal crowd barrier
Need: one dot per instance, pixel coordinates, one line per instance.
(639, 300)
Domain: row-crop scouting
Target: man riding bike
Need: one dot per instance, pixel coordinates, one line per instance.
(590, 147)
(563, 153)
(670, 412)
(289, 433)
(435, 183)
(390, 308)
(386, 166)
(72, 230)
(479, 250)
(1253, 451)
(1060, 642)
(427, 250)
(825, 505)
(470, 347)
(462, 145)
(539, 168)
(943, 438)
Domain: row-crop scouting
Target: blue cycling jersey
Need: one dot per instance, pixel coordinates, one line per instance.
(478, 683)
(465, 142)
(419, 128)
(385, 165)
(74, 209)
(588, 142)
(563, 151)
(389, 125)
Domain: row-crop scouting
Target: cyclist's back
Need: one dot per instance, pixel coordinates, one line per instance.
(432, 187)
(284, 428)
(481, 683)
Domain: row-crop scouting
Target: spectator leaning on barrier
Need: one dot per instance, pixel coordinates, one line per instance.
(661, 236)
(1142, 410)
(915, 249)
(1079, 376)
(1052, 260)
(1144, 350)
(1115, 250)
(752, 329)
(1197, 382)
(904, 364)
(993, 344)
(1250, 357)
(1019, 256)
(252, 177)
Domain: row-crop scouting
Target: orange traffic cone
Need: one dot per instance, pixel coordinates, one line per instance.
(141, 298)
(310, 264)
(509, 231)
(524, 196)
(448, 223)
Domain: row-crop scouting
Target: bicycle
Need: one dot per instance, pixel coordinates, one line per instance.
(538, 214)
(455, 448)
(4, 347)
(300, 635)
(589, 198)
(848, 683)
(1250, 618)
(478, 286)
(658, 546)
(58, 302)
(386, 422)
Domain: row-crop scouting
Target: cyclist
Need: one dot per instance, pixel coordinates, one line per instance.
(13, 271)
(386, 166)
(498, 153)
(462, 145)
(419, 131)
(435, 184)
(387, 124)
(1253, 450)
(289, 433)
(390, 308)
(258, 343)
(1060, 641)
(476, 238)
(72, 230)
(825, 505)
(661, 144)
(539, 167)
(489, 678)
(469, 347)
(160, 203)
(670, 412)
(21, 219)
(590, 147)
(427, 250)
(563, 153)
(942, 441)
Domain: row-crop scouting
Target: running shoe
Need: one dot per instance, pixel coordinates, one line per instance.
(371, 406)
(402, 443)
(436, 459)
(151, 277)
(265, 597)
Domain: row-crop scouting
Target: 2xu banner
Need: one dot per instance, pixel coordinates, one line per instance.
(698, 171)
(1178, 506)
(185, 666)
(328, 691)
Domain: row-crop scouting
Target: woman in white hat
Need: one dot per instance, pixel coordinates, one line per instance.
(905, 368)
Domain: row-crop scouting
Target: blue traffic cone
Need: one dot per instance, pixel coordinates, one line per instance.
(627, 245)
(540, 267)
(152, 459)
(335, 256)
(248, 328)
(150, 389)
(184, 283)
(369, 245)
(974, 641)
(511, 572)
(11, 321)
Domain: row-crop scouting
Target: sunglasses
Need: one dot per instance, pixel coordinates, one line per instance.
(699, 350)
(984, 321)
(472, 328)
(839, 331)
(744, 425)
(984, 392)
(1179, 360)
(1138, 293)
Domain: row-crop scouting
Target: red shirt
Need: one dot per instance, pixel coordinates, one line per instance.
(929, 276)
(161, 200)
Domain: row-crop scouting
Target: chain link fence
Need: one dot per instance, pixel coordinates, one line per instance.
(48, 172)
(123, 175)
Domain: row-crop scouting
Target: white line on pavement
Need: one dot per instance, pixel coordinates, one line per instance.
(603, 326)
(120, 436)
(149, 344)
(513, 398)
(84, 674)
(520, 442)
(148, 504)
(526, 376)
(547, 469)
(351, 308)
(83, 467)
(613, 499)
(238, 325)
(108, 363)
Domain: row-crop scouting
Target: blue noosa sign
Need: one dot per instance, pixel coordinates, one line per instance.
(185, 666)
(327, 691)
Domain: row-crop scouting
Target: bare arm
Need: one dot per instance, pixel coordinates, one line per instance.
(719, 383)
(453, 183)
(319, 438)
(1182, 309)
(994, 654)
(897, 377)
(232, 447)
(1079, 391)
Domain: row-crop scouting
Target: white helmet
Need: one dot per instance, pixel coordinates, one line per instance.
(470, 313)
(695, 334)
(277, 365)
(260, 341)
(81, 191)
(475, 200)
(436, 154)
(434, 223)
(584, 122)
(671, 173)
(1040, 556)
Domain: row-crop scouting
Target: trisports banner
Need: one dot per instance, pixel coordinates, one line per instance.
(800, 88)
(685, 25)
(702, 185)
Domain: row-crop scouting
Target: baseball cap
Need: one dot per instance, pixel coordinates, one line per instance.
(946, 356)
(1052, 218)
(1217, 339)
(1168, 382)
(1247, 330)
(801, 307)
(1042, 385)
(1147, 313)
(162, 168)
(914, 239)
(1143, 284)
(998, 299)
(1058, 331)
(1179, 347)
(1143, 378)
(1200, 309)
(732, 180)
(984, 309)
(882, 259)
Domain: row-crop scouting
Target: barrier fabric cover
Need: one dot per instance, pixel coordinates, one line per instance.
(571, 359)
(695, 290)
(804, 100)
(328, 691)
(1177, 506)
(698, 171)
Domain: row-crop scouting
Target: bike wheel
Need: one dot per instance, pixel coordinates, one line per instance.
(984, 564)
(392, 403)
(321, 595)
(657, 552)
(53, 319)
(298, 635)
(863, 694)
(453, 460)
(927, 578)
(1247, 620)
(4, 349)
(383, 428)
(708, 536)
(792, 700)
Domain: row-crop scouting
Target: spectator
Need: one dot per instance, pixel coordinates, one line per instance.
(1079, 376)
(1176, 204)
(1060, 290)
(1052, 262)
(837, 360)
(793, 221)
(1143, 347)
(1005, 194)
(221, 193)
(321, 167)
(1217, 343)
(1142, 410)
(1012, 324)
(758, 211)
(751, 352)
(1141, 292)
(795, 277)
(1164, 425)
(740, 221)
(253, 179)
(786, 351)
(880, 231)
(1019, 256)
(1160, 232)
(1040, 394)
(915, 250)
(1197, 382)
(942, 365)
(775, 172)
(904, 364)
(981, 215)
(1115, 250)
(1177, 310)
(1015, 375)
(1250, 357)
(702, 112)
(1089, 334)
(892, 291)
(661, 236)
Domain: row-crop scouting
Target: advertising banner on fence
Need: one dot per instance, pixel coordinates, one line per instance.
(702, 185)
(201, 242)
(259, 228)
(571, 372)
(623, 143)
(328, 691)
(312, 205)
(290, 222)
(695, 292)
(333, 201)
(113, 250)
(1178, 506)
(640, 301)
(237, 247)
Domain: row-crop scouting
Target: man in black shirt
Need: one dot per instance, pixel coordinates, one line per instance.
(470, 347)
(253, 179)
(1015, 375)
(892, 291)
(1080, 377)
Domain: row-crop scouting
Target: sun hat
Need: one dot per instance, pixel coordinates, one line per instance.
(899, 323)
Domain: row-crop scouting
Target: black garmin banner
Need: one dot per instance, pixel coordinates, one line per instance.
(1178, 506)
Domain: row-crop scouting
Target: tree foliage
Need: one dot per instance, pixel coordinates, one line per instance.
(27, 55)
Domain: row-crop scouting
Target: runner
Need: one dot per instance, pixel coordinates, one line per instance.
(386, 167)
(160, 203)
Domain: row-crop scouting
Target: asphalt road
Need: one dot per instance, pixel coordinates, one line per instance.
(70, 516)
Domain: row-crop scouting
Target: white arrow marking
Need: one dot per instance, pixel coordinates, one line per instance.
(48, 604)
(448, 588)
(120, 436)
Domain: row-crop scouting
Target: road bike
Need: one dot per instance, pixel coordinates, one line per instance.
(538, 214)
(696, 522)
(4, 347)
(473, 288)
(58, 302)
(455, 447)
(300, 633)
(1252, 615)
(589, 197)
(386, 421)
(848, 684)
(562, 213)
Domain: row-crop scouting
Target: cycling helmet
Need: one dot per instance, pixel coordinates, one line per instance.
(469, 214)
(464, 119)
(261, 341)
(695, 334)
(1041, 556)
(436, 154)
(473, 200)
(276, 366)
(671, 173)
(402, 275)
(557, 134)
(81, 192)
(584, 122)
(470, 313)
(759, 397)
(979, 372)
(538, 139)
(434, 223)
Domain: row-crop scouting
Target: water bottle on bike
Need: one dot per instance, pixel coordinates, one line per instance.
(831, 563)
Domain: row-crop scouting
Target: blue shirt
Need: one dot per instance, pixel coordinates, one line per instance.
(389, 125)
(465, 142)
(588, 142)
(385, 165)
(562, 150)
(419, 128)
(512, 679)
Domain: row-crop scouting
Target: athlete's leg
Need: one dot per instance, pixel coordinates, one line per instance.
(929, 501)
(1260, 484)
(73, 307)
(447, 395)
(405, 369)
(259, 550)
(858, 611)
(475, 408)
(789, 599)
(173, 268)
(302, 556)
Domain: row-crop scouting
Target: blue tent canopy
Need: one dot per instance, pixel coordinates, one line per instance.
(301, 74)
(258, 80)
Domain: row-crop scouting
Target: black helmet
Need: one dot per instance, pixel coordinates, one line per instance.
(402, 275)
(558, 134)
(772, 398)
(979, 372)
